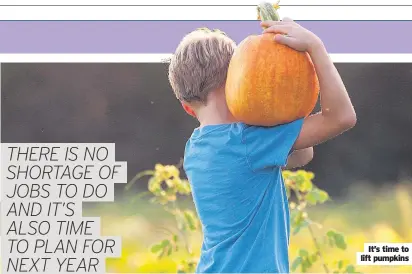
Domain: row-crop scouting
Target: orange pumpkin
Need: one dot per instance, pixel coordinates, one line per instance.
(268, 83)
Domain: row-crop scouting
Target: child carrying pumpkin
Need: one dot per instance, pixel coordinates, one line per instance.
(235, 169)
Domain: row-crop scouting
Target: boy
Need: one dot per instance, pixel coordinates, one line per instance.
(235, 169)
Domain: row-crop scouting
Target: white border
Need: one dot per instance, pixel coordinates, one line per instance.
(161, 58)
(331, 12)
(201, 12)
(203, 2)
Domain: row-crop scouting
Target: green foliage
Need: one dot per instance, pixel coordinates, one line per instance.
(165, 186)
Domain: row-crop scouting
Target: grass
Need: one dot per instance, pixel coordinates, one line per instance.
(368, 216)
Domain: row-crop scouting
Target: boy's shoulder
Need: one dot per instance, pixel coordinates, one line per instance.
(248, 133)
(216, 131)
(215, 145)
(263, 147)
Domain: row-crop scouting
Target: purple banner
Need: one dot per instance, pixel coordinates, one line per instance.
(163, 36)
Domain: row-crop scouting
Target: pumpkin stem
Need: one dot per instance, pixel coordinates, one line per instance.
(268, 12)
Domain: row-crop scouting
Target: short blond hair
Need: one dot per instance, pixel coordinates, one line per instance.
(200, 64)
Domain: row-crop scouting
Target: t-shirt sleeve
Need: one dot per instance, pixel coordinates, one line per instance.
(269, 147)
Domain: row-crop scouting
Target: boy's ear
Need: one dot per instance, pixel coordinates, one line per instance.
(188, 110)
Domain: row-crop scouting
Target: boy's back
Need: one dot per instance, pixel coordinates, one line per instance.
(235, 174)
(234, 169)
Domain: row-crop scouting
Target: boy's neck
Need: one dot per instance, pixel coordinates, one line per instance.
(215, 112)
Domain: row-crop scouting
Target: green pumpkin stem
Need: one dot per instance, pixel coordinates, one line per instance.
(268, 12)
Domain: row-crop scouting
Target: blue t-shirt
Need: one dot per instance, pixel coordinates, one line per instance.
(237, 186)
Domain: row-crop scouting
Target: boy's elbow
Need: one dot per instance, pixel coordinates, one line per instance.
(309, 156)
(300, 158)
(306, 157)
(311, 153)
(347, 120)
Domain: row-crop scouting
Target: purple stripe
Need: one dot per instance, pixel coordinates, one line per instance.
(163, 36)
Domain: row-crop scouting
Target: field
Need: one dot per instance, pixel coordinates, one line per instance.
(369, 215)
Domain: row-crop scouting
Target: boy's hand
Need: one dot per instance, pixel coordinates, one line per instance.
(292, 35)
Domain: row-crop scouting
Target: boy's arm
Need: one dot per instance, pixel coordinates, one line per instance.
(337, 114)
(299, 158)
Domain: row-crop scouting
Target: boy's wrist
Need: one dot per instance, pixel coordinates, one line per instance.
(317, 48)
(320, 57)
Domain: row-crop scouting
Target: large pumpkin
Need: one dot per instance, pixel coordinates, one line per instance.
(269, 83)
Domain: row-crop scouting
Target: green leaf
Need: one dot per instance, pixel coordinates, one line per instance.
(303, 253)
(175, 238)
(305, 265)
(317, 196)
(314, 258)
(299, 226)
(330, 233)
(340, 241)
(156, 248)
(331, 238)
(336, 239)
(340, 264)
(323, 196)
(183, 187)
(154, 185)
(165, 243)
(308, 263)
(299, 181)
(297, 217)
(303, 181)
(296, 263)
(350, 269)
(190, 220)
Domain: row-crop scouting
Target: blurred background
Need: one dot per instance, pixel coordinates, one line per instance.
(366, 171)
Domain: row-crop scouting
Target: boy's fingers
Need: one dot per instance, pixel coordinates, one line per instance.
(287, 19)
(271, 23)
(277, 29)
(286, 40)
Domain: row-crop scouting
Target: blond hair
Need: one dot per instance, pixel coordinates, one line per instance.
(200, 64)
